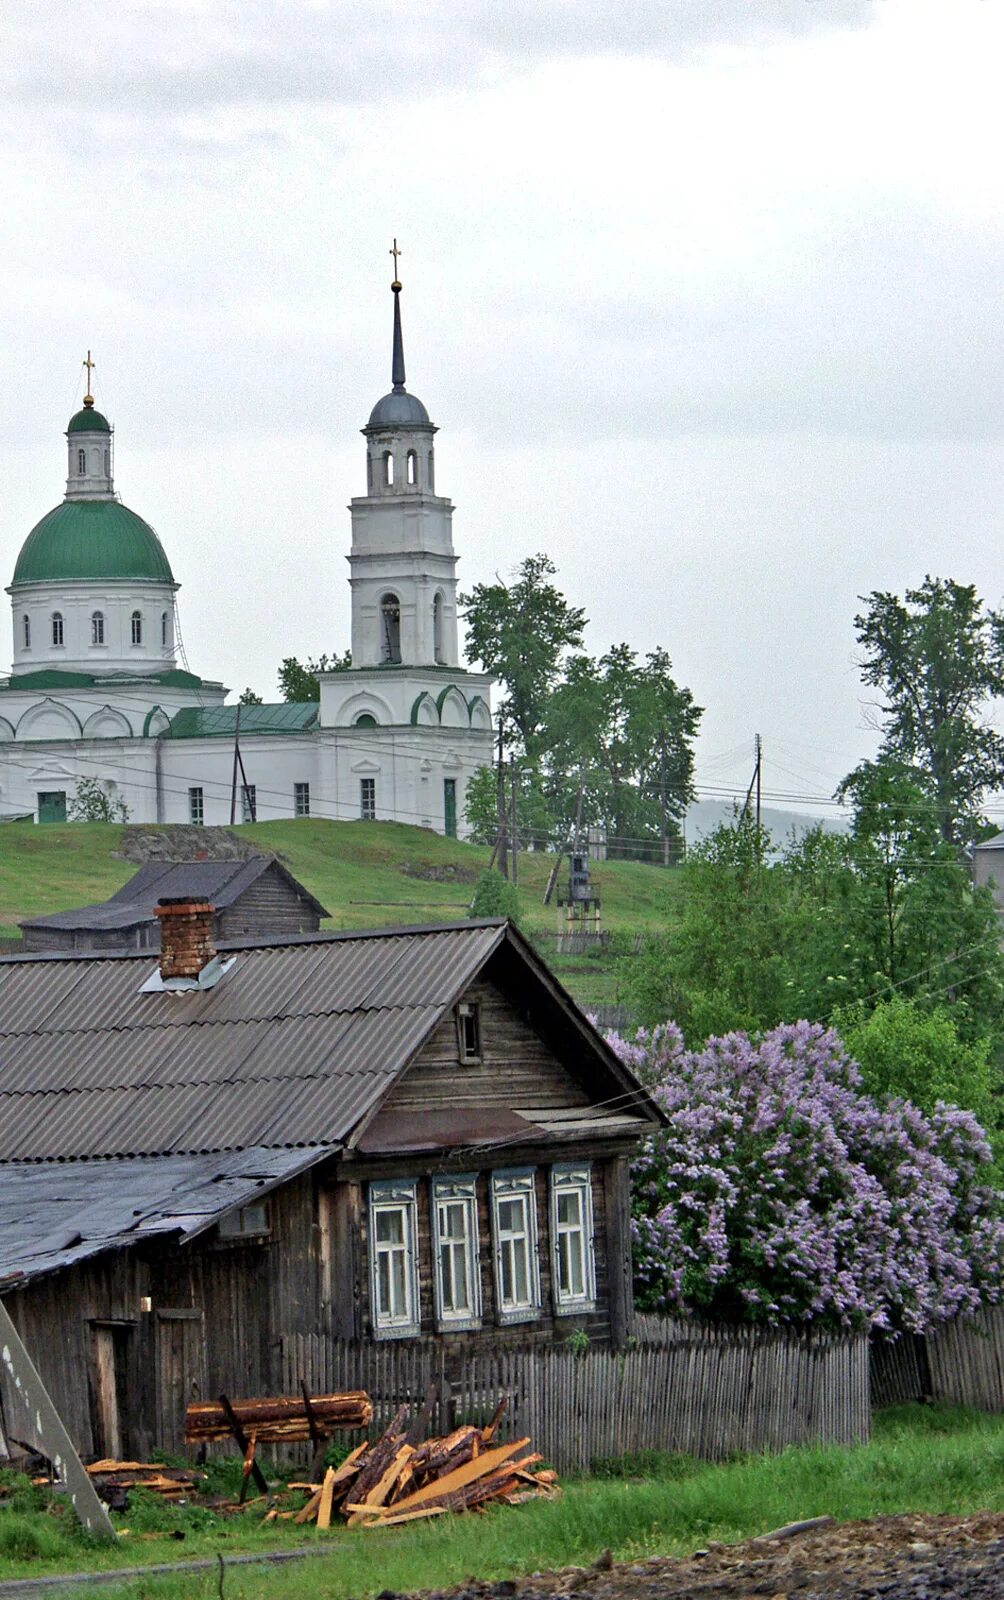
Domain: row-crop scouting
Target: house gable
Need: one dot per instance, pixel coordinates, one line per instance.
(517, 1068)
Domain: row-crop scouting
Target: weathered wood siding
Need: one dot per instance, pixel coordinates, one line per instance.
(217, 1309)
(517, 1068)
(269, 905)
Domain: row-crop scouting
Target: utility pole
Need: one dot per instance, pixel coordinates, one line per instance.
(502, 852)
(759, 774)
(513, 833)
(237, 756)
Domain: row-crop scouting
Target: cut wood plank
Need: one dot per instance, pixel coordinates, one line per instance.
(462, 1476)
(307, 1512)
(327, 1491)
(381, 1489)
(488, 1433)
(404, 1516)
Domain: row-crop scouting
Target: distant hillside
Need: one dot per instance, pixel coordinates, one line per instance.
(706, 815)
(366, 873)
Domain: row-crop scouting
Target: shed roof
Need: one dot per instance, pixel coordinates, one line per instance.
(293, 1051)
(220, 882)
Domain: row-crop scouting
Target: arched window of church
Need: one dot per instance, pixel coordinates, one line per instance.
(97, 627)
(388, 470)
(412, 469)
(437, 629)
(390, 628)
(57, 627)
(108, 463)
(431, 473)
(136, 627)
(163, 629)
(27, 632)
(366, 719)
(81, 461)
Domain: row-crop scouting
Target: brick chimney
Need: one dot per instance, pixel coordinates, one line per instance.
(186, 936)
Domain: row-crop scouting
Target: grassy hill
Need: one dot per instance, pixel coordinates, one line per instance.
(367, 874)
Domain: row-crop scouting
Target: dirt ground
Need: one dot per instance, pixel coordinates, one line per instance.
(899, 1558)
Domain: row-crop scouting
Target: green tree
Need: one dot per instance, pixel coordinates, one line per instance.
(908, 1052)
(495, 896)
(298, 679)
(95, 800)
(937, 658)
(520, 632)
(625, 731)
(249, 698)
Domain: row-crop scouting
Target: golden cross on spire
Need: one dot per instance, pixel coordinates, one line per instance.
(90, 365)
(395, 252)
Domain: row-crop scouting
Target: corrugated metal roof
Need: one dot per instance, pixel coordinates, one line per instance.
(51, 1217)
(292, 1047)
(220, 722)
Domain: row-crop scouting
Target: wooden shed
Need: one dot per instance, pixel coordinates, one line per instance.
(252, 898)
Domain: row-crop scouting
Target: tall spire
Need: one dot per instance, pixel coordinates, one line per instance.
(397, 359)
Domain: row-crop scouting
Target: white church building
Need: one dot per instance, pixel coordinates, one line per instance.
(96, 691)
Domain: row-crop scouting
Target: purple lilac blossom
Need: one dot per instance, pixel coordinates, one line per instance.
(780, 1192)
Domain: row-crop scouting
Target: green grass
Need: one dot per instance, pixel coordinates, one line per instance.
(934, 1460)
(367, 874)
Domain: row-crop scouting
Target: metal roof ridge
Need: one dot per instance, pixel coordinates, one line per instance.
(285, 942)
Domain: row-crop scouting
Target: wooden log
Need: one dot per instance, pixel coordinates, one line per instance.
(309, 1511)
(279, 1417)
(380, 1491)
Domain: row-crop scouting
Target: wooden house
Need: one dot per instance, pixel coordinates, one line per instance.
(252, 898)
(383, 1136)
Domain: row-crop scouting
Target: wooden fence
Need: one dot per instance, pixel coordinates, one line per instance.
(703, 1391)
(960, 1363)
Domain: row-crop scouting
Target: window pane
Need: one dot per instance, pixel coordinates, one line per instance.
(521, 1272)
(399, 1305)
(510, 1215)
(570, 1208)
(390, 1227)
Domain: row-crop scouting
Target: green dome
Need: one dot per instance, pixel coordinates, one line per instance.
(89, 540)
(89, 421)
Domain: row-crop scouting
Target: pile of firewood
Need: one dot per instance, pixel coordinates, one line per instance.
(397, 1480)
(113, 1480)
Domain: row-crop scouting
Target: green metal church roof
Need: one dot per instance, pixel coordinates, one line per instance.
(91, 540)
(220, 722)
(89, 421)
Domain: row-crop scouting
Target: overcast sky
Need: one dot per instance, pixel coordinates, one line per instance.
(706, 297)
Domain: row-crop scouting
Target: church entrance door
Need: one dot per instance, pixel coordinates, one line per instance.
(450, 807)
(52, 805)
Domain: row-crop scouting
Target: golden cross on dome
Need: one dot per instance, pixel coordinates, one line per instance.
(393, 251)
(90, 365)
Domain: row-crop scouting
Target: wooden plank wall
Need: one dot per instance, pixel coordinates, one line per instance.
(702, 1391)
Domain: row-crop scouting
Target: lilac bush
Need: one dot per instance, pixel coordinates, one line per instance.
(780, 1192)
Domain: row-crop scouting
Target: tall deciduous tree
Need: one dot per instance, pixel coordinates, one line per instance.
(937, 658)
(625, 731)
(521, 632)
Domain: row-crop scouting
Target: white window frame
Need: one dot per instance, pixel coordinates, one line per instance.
(516, 1184)
(395, 1194)
(367, 799)
(573, 1177)
(460, 1190)
(197, 806)
(27, 631)
(136, 628)
(97, 629)
(301, 799)
(465, 1010)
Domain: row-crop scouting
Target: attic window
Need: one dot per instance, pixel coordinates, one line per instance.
(250, 1222)
(469, 1031)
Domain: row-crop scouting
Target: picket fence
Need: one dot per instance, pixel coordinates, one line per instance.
(961, 1363)
(703, 1391)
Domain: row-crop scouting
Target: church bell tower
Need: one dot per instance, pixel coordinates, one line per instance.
(403, 568)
